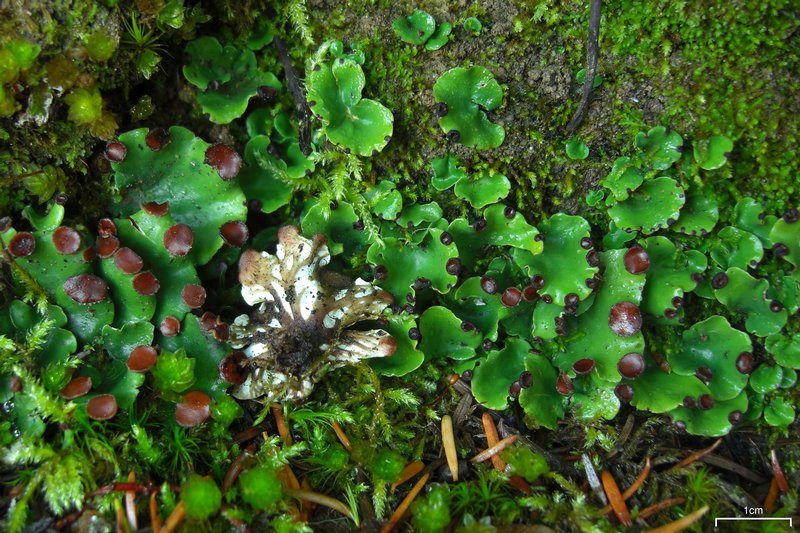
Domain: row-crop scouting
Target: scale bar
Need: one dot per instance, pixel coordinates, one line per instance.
(743, 518)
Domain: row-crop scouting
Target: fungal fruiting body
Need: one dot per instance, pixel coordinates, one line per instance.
(298, 330)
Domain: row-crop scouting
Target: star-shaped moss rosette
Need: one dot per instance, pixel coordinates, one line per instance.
(407, 357)
(745, 295)
(659, 148)
(733, 247)
(299, 329)
(599, 338)
(500, 225)
(715, 421)
(785, 235)
(699, 214)
(785, 349)
(654, 205)
(58, 258)
(416, 28)
(567, 261)
(712, 153)
(194, 178)
(209, 356)
(340, 227)
(446, 172)
(624, 178)
(670, 273)
(358, 124)
(444, 335)
(482, 189)
(750, 216)
(402, 267)
(467, 94)
(494, 381)
(228, 77)
(717, 354)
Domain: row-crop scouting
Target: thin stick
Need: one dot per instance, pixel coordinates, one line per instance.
(647, 512)
(411, 470)
(615, 497)
(449, 443)
(296, 90)
(778, 471)
(342, 436)
(234, 471)
(130, 504)
(283, 431)
(592, 51)
(174, 519)
(155, 520)
(683, 523)
(403, 507)
(494, 450)
(692, 457)
(492, 439)
(634, 486)
(321, 499)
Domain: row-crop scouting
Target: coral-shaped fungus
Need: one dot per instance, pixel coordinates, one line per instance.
(298, 331)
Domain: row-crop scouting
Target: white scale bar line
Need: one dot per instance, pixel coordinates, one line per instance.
(716, 520)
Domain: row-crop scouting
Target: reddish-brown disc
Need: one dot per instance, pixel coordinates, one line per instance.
(194, 409)
(106, 246)
(193, 295)
(146, 283)
(208, 321)
(234, 233)
(142, 358)
(233, 368)
(128, 261)
(89, 254)
(116, 151)
(102, 407)
(157, 138)
(625, 319)
(511, 297)
(744, 363)
(583, 366)
(66, 240)
(564, 384)
(156, 209)
(76, 388)
(636, 260)
(624, 392)
(178, 239)
(224, 159)
(106, 227)
(22, 244)
(488, 284)
(86, 288)
(170, 326)
(222, 331)
(631, 365)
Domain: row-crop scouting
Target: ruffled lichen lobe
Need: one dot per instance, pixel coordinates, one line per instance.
(298, 330)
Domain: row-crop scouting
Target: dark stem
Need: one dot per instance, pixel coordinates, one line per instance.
(296, 90)
(592, 51)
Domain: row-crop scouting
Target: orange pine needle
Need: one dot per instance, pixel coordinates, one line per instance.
(772, 495)
(155, 520)
(681, 524)
(692, 457)
(411, 470)
(321, 499)
(778, 471)
(130, 504)
(174, 519)
(340, 434)
(492, 439)
(122, 523)
(520, 484)
(494, 450)
(615, 497)
(634, 486)
(647, 512)
(403, 507)
(283, 431)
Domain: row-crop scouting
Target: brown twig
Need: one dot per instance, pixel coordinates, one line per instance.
(280, 421)
(615, 498)
(130, 504)
(490, 452)
(492, 439)
(155, 519)
(411, 470)
(403, 507)
(174, 519)
(634, 486)
(683, 523)
(342, 436)
(693, 457)
(592, 51)
(647, 512)
(772, 496)
(778, 471)
(295, 87)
